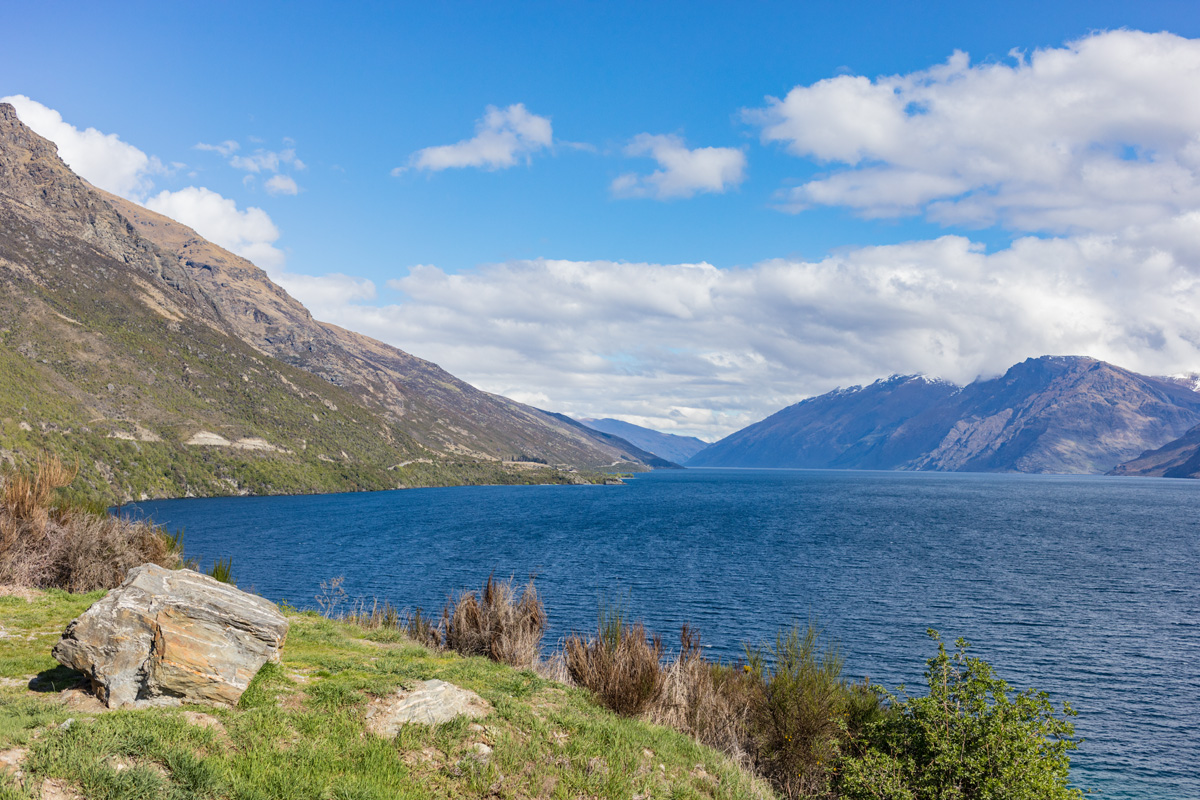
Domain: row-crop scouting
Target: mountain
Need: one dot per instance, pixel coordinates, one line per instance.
(164, 365)
(645, 456)
(1054, 414)
(667, 445)
(1176, 459)
(853, 428)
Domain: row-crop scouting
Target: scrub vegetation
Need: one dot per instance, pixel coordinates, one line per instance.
(47, 541)
(299, 730)
(784, 713)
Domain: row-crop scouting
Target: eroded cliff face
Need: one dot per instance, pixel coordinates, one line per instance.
(1054, 414)
(118, 325)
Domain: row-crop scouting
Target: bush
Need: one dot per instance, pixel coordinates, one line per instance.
(620, 664)
(968, 738)
(495, 623)
(801, 712)
(47, 544)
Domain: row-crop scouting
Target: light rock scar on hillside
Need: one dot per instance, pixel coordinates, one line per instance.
(210, 439)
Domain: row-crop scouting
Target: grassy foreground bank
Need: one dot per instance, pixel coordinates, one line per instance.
(299, 730)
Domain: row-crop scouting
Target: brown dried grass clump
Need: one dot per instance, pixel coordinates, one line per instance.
(496, 623)
(29, 494)
(620, 664)
(45, 545)
(710, 702)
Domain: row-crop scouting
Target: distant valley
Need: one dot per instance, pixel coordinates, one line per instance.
(163, 365)
(669, 446)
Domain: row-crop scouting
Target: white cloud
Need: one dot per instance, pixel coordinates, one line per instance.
(1093, 136)
(267, 161)
(503, 137)
(100, 158)
(326, 295)
(683, 172)
(271, 162)
(225, 148)
(281, 184)
(690, 348)
(248, 232)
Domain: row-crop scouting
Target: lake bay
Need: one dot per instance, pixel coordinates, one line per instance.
(1086, 587)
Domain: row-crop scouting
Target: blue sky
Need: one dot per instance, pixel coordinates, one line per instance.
(558, 274)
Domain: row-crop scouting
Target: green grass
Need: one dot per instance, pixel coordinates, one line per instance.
(299, 732)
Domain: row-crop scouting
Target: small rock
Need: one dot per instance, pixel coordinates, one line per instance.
(12, 760)
(428, 702)
(57, 789)
(66, 726)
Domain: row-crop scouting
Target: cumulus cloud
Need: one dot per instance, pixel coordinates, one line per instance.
(248, 232)
(503, 137)
(682, 172)
(100, 158)
(326, 295)
(1092, 136)
(691, 348)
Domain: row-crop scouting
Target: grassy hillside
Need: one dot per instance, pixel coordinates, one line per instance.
(299, 730)
(109, 373)
(181, 369)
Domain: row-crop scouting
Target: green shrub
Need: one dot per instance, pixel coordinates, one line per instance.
(222, 570)
(801, 712)
(970, 737)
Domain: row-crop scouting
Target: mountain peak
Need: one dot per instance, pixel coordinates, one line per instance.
(31, 171)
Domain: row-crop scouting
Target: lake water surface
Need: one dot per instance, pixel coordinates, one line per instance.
(1086, 587)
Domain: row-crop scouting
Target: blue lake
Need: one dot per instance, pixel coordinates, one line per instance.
(1086, 587)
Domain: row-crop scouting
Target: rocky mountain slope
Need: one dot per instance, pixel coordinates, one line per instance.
(166, 365)
(1044, 415)
(667, 445)
(1175, 459)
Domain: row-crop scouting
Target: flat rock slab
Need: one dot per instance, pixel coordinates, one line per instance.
(169, 636)
(427, 703)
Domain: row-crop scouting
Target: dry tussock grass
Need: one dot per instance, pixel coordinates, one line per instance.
(497, 624)
(621, 665)
(45, 545)
(785, 714)
(710, 702)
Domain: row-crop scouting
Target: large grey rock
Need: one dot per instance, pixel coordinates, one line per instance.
(167, 636)
(428, 703)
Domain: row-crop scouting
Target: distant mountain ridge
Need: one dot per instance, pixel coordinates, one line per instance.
(669, 446)
(1053, 414)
